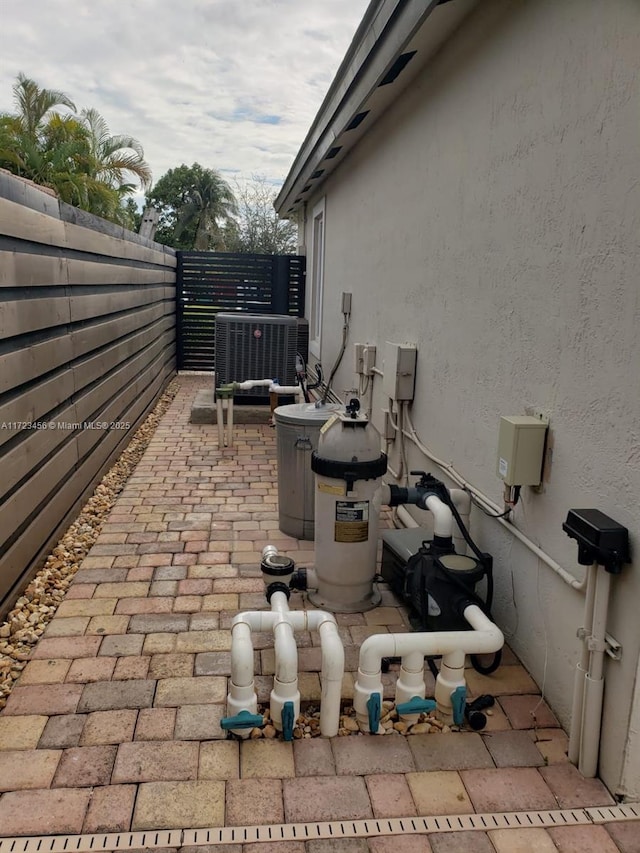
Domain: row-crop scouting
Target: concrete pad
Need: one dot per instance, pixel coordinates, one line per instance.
(203, 410)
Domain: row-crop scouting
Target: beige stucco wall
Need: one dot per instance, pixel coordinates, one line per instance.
(492, 217)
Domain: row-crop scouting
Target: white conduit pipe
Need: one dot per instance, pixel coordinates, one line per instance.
(582, 669)
(594, 679)
(242, 692)
(493, 508)
(452, 645)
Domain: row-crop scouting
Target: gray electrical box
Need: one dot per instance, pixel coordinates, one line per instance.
(521, 450)
(399, 378)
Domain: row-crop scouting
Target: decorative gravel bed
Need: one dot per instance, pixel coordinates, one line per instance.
(308, 724)
(38, 603)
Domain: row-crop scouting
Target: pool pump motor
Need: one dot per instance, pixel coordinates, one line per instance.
(435, 582)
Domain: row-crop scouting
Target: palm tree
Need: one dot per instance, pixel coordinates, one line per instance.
(23, 135)
(114, 158)
(208, 203)
(34, 103)
(74, 155)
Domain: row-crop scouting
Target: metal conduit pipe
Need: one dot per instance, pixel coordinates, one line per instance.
(452, 645)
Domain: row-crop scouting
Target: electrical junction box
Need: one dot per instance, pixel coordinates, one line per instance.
(521, 450)
(399, 378)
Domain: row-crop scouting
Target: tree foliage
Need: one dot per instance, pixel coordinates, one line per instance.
(196, 206)
(199, 210)
(72, 153)
(257, 228)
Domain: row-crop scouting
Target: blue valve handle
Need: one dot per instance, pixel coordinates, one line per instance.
(242, 720)
(416, 705)
(459, 703)
(374, 706)
(287, 720)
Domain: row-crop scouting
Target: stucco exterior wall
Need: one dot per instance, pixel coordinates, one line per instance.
(492, 218)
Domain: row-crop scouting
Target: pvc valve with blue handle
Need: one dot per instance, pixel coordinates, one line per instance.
(374, 706)
(459, 704)
(287, 721)
(242, 720)
(416, 705)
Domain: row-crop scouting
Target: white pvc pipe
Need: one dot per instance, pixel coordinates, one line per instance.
(582, 668)
(410, 681)
(405, 517)
(330, 677)
(442, 516)
(242, 694)
(274, 388)
(248, 384)
(283, 622)
(230, 421)
(220, 420)
(224, 404)
(594, 680)
(485, 638)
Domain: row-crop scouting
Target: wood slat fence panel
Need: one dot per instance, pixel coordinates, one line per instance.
(209, 282)
(87, 335)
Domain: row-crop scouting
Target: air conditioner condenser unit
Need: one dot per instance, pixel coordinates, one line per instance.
(255, 346)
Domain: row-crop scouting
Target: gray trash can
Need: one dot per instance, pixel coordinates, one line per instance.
(297, 432)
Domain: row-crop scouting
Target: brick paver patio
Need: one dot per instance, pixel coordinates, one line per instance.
(114, 724)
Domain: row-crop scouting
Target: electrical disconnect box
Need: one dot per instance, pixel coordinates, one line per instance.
(521, 442)
(399, 371)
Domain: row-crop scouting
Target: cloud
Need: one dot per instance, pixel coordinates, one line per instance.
(231, 84)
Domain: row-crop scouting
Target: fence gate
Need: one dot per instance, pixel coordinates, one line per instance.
(208, 282)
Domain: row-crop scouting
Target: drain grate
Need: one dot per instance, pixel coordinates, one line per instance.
(117, 841)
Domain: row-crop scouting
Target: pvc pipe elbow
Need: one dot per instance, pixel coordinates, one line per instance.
(442, 516)
(486, 637)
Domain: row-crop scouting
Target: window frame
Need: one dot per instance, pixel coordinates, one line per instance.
(316, 295)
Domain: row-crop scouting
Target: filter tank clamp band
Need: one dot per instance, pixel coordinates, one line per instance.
(349, 471)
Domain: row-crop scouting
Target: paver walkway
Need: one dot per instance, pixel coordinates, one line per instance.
(114, 723)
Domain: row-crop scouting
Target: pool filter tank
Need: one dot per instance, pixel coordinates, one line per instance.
(349, 467)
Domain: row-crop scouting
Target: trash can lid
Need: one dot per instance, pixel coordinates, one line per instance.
(302, 414)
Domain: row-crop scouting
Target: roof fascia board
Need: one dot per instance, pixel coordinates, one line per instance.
(385, 28)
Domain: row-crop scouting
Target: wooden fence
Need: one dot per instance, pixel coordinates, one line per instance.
(87, 344)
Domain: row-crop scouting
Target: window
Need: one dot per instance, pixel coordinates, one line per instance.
(317, 278)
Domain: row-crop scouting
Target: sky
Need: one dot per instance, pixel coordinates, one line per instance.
(231, 84)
